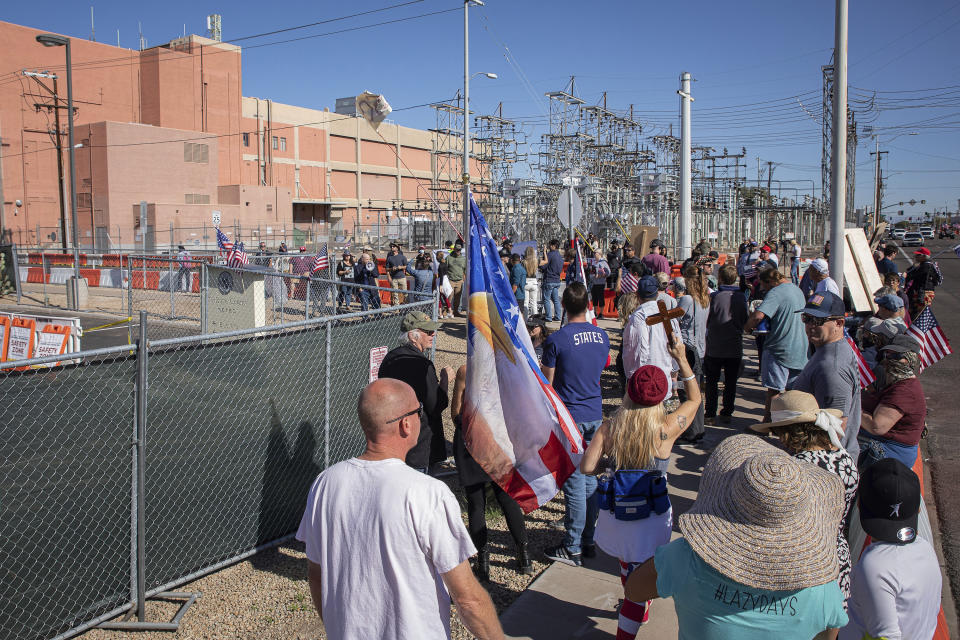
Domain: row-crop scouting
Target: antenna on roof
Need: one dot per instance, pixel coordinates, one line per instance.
(214, 27)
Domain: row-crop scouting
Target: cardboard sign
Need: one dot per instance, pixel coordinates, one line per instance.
(4, 336)
(20, 343)
(52, 341)
(377, 354)
(641, 236)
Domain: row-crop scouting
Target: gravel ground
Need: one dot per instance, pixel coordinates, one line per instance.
(267, 596)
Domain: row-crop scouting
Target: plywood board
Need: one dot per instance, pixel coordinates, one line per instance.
(860, 271)
(641, 236)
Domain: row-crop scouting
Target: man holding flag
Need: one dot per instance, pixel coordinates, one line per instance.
(573, 360)
(514, 424)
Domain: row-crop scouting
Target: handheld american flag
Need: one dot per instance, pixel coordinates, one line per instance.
(514, 424)
(591, 316)
(934, 344)
(322, 261)
(224, 244)
(863, 369)
(238, 257)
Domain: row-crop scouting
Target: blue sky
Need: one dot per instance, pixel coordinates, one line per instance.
(756, 67)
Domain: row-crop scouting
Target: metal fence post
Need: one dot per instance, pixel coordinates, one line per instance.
(433, 316)
(306, 309)
(204, 310)
(326, 396)
(139, 470)
(173, 309)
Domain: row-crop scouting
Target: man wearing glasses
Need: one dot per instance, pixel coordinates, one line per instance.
(386, 546)
(407, 362)
(785, 345)
(831, 374)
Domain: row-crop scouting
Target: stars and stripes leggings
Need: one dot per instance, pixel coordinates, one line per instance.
(632, 614)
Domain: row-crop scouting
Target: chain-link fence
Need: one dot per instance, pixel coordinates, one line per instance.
(148, 465)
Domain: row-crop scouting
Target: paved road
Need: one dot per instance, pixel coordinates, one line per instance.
(940, 385)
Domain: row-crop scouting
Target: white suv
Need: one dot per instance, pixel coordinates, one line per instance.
(926, 232)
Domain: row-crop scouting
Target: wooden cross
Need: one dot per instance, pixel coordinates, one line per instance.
(664, 318)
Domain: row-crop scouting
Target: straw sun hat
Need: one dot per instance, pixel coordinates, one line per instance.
(765, 519)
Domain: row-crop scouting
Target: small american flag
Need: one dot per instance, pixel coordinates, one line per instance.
(224, 244)
(934, 345)
(591, 316)
(628, 281)
(238, 257)
(956, 250)
(321, 261)
(863, 369)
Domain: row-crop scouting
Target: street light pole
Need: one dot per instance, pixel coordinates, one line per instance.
(52, 40)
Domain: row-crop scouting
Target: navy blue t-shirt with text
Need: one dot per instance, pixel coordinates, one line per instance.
(578, 353)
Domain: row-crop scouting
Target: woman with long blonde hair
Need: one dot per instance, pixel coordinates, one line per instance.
(640, 436)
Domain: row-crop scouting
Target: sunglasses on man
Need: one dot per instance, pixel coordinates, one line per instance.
(817, 321)
(419, 410)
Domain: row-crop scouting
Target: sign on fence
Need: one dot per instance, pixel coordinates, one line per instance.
(377, 354)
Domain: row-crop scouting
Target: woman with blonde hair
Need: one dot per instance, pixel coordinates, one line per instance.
(532, 288)
(640, 436)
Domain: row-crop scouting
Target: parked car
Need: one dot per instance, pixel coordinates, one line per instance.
(926, 232)
(947, 232)
(912, 239)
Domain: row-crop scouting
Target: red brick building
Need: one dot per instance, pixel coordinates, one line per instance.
(169, 126)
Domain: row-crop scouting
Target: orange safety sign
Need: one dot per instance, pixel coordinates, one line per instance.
(52, 340)
(4, 337)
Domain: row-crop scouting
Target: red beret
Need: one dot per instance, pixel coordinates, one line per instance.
(648, 386)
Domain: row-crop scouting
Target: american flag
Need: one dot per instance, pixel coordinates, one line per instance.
(223, 242)
(628, 281)
(591, 316)
(866, 375)
(956, 250)
(321, 262)
(238, 257)
(934, 345)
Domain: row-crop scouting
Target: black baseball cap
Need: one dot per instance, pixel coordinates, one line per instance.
(889, 498)
(824, 305)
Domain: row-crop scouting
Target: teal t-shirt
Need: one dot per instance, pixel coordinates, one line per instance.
(787, 340)
(711, 606)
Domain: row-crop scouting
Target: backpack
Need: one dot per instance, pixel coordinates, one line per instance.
(633, 494)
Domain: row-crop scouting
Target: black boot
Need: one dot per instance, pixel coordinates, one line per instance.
(481, 566)
(524, 564)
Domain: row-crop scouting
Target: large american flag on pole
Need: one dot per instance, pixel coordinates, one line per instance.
(863, 369)
(514, 423)
(934, 344)
(322, 261)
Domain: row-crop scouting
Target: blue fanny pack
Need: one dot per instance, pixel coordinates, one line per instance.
(633, 494)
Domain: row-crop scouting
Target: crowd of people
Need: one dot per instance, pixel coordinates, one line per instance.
(767, 547)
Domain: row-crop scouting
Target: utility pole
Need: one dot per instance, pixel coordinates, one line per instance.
(838, 179)
(769, 199)
(877, 186)
(63, 208)
(3, 221)
(686, 244)
(58, 143)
